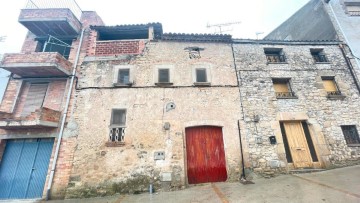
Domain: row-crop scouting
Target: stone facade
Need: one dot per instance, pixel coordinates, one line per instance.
(324, 115)
(100, 168)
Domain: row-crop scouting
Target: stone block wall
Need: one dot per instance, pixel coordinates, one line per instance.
(323, 115)
(99, 169)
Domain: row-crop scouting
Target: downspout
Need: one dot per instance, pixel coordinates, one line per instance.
(64, 117)
(351, 68)
(343, 33)
(242, 177)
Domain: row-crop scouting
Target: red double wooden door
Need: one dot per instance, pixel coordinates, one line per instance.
(205, 155)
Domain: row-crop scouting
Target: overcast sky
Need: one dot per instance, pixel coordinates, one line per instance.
(185, 16)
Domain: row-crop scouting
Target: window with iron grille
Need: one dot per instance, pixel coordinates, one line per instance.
(201, 75)
(117, 125)
(282, 88)
(331, 86)
(318, 55)
(164, 76)
(274, 55)
(351, 134)
(123, 76)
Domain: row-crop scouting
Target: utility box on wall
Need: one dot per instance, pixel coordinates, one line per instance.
(160, 155)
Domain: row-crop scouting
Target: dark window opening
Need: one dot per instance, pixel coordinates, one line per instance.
(351, 134)
(118, 117)
(275, 55)
(309, 142)
(201, 75)
(123, 34)
(318, 55)
(164, 76)
(286, 144)
(123, 76)
(62, 47)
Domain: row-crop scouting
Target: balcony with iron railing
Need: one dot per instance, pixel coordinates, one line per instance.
(49, 17)
(36, 64)
(40, 118)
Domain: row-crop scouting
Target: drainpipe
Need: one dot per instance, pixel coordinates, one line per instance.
(343, 33)
(64, 118)
(242, 177)
(351, 68)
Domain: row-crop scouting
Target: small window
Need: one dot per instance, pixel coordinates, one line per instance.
(275, 55)
(124, 76)
(164, 76)
(282, 88)
(351, 135)
(318, 55)
(331, 86)
(201, 75)
(118, 117)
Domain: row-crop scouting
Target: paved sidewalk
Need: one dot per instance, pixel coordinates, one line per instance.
(337, 185)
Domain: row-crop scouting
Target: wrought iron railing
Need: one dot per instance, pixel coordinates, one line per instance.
(320, 58)
(285, 95)
(354, 13)
(117, 134)
(44, 4)
(334, 93)
(275, 58)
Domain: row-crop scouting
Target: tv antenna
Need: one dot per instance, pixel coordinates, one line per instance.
(258, 33)
(220, 25)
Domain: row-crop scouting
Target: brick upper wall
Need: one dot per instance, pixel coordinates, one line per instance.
(10, 95)
(106, 48)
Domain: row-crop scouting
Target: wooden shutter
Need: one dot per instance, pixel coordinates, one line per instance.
(201, 75)
(281, 87)
(34, 98)
(330, 85)
(164, 75)
(118, 117)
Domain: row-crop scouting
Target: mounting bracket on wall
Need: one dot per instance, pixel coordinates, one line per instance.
(170, 106)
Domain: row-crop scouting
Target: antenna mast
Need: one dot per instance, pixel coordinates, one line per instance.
(220, 25)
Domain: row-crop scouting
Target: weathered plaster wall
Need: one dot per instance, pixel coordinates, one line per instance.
(98, 169)
(323, 115)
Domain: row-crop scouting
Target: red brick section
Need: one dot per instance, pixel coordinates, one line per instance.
(63, 168)
(10, 95)
(91, 18)
(108, 48)
(30, 44)
(55, 94)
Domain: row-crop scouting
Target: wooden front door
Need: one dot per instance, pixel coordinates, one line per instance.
(205, 155)
(297, 143)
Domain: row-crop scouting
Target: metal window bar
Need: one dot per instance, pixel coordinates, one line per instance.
(334, 93)
(284, 94)
(44, 4)
(117, 134)
(275, 58)
(319, 58)
(354, 13)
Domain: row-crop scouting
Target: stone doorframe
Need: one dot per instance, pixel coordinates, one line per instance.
(317, 137)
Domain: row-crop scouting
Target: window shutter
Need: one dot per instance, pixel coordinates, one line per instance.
(281, 87)
(330, 85)
(164, 75)
(201, 75)
(34, 98)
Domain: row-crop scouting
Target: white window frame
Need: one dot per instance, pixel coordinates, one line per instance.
(208, 75)
(123, 67)
(171, 74)
(111, 117)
